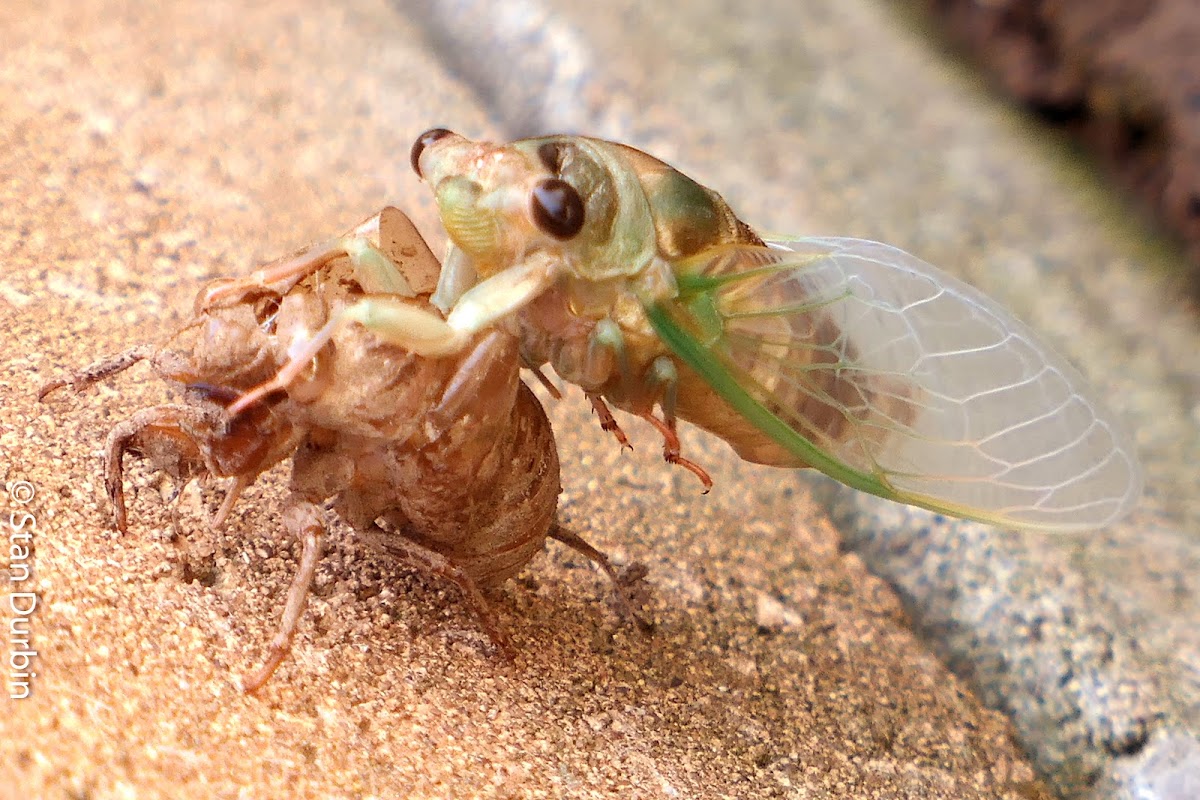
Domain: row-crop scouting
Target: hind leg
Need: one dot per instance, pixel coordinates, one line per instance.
(430, 562)
(625, 582)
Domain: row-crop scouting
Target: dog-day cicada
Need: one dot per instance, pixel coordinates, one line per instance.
(643, 287)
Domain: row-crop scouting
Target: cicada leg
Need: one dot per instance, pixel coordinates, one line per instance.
(169, 436)
(430, 562)
(306, 522)
(607, 337)
(392, 319)
(280, 276)
(237, 485)
(624, 582)
(456, 277)
(661, 382)
(546, 383)
(418, 330)
(373, 268)
(98, 371)
(608, 422)
(664, 378)
(671, 449)
(297, 362)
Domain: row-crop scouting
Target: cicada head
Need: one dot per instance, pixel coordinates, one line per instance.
(578, 199)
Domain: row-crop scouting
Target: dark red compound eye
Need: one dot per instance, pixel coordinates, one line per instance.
(557, 208)
(424, 140)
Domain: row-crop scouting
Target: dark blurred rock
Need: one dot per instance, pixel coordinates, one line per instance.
(1121, 75)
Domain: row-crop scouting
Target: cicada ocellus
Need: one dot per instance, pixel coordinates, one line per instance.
(643, 287)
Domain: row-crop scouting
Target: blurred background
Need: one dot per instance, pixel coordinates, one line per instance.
(1120, 77)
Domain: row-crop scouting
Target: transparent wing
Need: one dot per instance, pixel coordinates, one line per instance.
(896, 378)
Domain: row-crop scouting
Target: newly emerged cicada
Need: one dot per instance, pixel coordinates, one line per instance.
(644, 288)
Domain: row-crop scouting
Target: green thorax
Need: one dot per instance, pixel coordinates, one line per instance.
(637, 208)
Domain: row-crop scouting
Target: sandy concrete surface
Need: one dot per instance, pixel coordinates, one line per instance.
(147, 150)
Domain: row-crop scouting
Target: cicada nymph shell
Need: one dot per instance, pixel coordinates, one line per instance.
(447, 463)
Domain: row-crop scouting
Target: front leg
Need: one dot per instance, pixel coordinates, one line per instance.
(177, 439)
(386, 252)
(457, 277)
(393, 320)
(414, 327)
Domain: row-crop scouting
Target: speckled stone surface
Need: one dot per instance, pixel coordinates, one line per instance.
(1096, 685)
(146, 150)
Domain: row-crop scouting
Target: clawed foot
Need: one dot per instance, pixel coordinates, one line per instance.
(630, 588)
(671, 450)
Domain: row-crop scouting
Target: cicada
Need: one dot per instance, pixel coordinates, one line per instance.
(644, 288)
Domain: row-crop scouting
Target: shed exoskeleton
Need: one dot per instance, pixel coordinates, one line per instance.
(445, 462)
